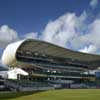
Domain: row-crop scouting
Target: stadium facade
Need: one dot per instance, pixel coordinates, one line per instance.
(49, 65)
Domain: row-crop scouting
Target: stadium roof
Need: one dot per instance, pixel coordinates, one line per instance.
(31, 45)
(56, 51)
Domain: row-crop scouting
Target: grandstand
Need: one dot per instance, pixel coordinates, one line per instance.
(55, 66)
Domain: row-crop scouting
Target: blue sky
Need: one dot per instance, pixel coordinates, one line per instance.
(69, 23)
(33, 15)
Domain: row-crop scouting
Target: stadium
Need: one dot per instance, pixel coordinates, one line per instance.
(38, 65)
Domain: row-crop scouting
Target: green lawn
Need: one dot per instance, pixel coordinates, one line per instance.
(65, 94)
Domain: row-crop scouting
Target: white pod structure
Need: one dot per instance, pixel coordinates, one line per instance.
(9, 53)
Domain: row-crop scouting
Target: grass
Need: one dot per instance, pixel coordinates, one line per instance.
(65, 94)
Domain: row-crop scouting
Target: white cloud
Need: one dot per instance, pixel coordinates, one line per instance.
(61, 30)
(91, 37)
(7, 35)
(94, 35)
(31, 35)
(65, 30)
(93, 3)
(89, 49)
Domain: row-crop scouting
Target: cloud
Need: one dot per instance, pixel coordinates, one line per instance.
(32, 35)
(93, 3)
(91, 37)
(61, 30)
(89, 49)
(65, 30)
(7, 35)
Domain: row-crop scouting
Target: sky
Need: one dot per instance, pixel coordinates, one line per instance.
(33, 15)
(73, 24)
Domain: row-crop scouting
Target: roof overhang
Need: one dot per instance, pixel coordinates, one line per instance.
(31, 45)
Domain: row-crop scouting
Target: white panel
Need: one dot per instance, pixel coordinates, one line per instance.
(9, 53)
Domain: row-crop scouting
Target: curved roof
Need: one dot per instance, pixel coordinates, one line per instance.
(9, 53)
(31, 45)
